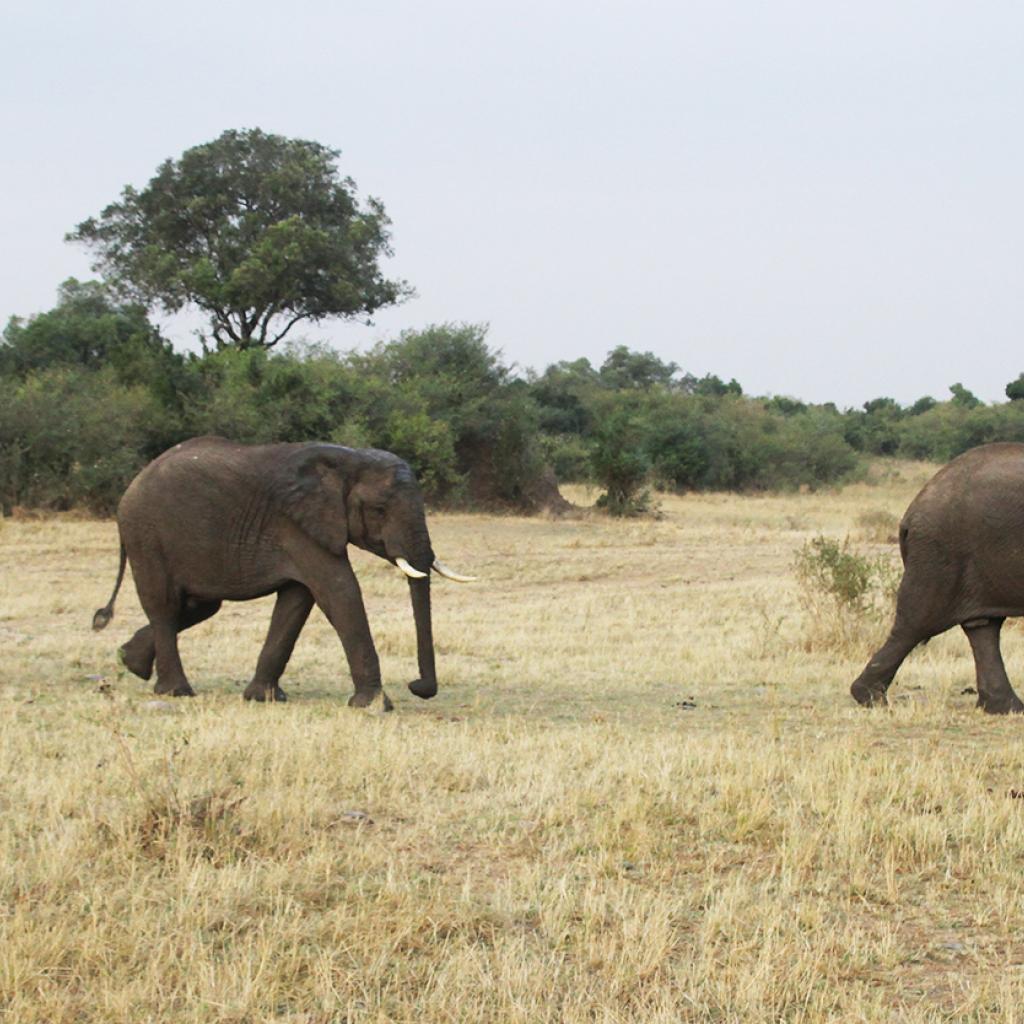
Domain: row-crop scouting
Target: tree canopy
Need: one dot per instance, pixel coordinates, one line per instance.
(1015, 389)
(963, 397)
(258, 231)
(624, 368)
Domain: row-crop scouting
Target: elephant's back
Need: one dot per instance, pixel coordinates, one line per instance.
(983, 485)
(215, 459)
(196, 484)
(968, 522)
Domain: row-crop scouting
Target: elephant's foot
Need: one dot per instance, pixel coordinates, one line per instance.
(423, 688)
(367, 698)
(174, 688)
(1005, 704)
(867, 696)
(265, 694)
(137, 658)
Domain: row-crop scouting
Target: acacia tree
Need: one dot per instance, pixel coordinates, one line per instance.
(258, 231)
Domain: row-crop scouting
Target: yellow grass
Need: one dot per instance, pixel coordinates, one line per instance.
(556, 837)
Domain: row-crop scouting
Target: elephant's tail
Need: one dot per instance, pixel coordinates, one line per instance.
(106, 613)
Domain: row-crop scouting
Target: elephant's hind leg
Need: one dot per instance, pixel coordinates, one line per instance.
(170, 676)
(871, 685)
(139, 653)
(995, 694)
(167, 615)
(294, 603)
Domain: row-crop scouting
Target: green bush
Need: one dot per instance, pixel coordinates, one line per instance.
(733, 443)
(424, 442)
(442, 399)
(620, 463)
(948, 429)
(829, 569)
(678, 443)
(484, 442)
(844, 593)
(257, 398)
(568, 455)
(75, 438)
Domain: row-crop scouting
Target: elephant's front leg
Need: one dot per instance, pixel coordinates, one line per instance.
(336, 590)
(292, 608)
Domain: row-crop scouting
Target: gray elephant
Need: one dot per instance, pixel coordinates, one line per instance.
(962, 542)
(211, 520)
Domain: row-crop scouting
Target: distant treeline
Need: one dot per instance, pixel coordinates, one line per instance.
(90, 391)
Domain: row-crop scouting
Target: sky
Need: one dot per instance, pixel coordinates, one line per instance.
(820, 199)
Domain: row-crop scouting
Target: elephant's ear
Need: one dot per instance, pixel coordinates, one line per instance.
(314, 495)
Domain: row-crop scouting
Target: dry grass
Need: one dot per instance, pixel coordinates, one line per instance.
(879, 525)
(558, 836)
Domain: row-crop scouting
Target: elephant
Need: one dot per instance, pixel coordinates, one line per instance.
(211, 520)
(962, 543)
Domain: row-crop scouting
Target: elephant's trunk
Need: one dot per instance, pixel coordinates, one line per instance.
(426, 685)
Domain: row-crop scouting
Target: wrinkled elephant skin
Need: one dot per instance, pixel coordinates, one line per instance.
(211, 521)
(962, 542)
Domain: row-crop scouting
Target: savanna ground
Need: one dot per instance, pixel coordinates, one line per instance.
(642, 794)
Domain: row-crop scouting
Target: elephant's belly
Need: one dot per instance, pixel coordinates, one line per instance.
(994, 581)
(233, 591)
(212, 574)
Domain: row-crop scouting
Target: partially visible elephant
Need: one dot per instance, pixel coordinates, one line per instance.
(962, 542)
(211, 520)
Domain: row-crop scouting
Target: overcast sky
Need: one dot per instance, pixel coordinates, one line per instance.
(821, 199)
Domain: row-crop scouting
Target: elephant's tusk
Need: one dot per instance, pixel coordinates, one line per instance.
(413, 574)
(440, 567)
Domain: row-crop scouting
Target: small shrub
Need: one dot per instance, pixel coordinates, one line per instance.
(622, 476)
(846, 595)
(637, 503)
(620, 464)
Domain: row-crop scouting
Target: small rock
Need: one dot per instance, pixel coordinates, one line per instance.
(356, 818)
(954, 947)
(687, 705)
(157, 705)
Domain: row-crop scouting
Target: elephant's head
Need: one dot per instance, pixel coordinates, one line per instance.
(383, 514)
